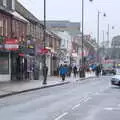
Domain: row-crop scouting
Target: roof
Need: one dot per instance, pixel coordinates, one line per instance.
(5, 10)
(25, 13)
(16, 14)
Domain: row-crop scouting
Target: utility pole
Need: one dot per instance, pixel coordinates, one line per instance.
(83, 63)
(98, 31)
(108, 37)
(103, 43)
(45, 68)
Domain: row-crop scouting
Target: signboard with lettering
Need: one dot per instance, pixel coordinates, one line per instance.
(44, 50)
(11, 44)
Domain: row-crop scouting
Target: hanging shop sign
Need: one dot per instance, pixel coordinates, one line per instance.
(11, 44)
(44, 51)
(21, 54)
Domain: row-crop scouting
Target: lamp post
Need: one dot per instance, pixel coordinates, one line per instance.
(82, 49)
(45, 68)
(108, 39)
(83, 64)
(103, 43)
(98, 32)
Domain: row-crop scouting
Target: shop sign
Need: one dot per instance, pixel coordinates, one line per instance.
(21, 54)
(11, 44)
(11, 41)
(44, 51)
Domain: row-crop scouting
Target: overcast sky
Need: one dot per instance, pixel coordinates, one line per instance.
(71, 10)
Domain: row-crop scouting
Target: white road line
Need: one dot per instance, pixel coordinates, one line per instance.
(61, 116)
(76, 106)
(112, 109)
(87, 99)
(81, 101)
(109, 109)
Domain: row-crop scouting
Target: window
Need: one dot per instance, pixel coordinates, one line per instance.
(1, 25)
(5, 3)
(1, 2)
(4, 63)
(9, 4)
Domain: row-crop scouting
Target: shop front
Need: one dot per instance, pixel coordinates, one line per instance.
(4, 66)
(8, 47)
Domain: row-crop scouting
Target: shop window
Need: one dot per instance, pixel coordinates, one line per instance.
(1, 27)
(4, 63)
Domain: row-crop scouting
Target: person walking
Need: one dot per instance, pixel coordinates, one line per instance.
(63, 71)
(69, 70)
(75, 71)
(98, 70)
(45, 72)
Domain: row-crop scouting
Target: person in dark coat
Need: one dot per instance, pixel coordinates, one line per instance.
(45, 72)
(69, 70)
(98, 70)
(75, 71)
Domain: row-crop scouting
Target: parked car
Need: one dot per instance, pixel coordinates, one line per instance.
(108, 69)
(115, 80)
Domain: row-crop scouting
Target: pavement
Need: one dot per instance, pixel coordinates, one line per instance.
(16, 87)
(95, 99)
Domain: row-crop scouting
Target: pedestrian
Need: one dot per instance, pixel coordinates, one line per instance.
(69, 70)
(98, 70)
(75, 71)
(45, 72)
(63, 72)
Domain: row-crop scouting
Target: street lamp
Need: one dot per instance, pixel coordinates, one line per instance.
(83, 71)
(98, 34)
(45, 68)
(83, 62)
(108, 33)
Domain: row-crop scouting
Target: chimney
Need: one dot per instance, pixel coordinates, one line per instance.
(10, 4)
(5, 3)
(13, 4)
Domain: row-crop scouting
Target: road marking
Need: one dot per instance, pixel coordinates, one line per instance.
(109, 109)
(87, 99)
(61, 116)
(76, 106)
(83, 100)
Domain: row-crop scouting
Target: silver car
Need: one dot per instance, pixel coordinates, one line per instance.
(115, 80)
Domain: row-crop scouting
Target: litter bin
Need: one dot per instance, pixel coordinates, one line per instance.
(81, 73)
(36, 74)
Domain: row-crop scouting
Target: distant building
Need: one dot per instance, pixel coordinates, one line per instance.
(116, 42)
(66, 47)
(115, 53)
(66, 30)
(72, 27)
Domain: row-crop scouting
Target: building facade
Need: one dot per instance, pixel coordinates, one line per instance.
(12, 33)
(21, 43)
